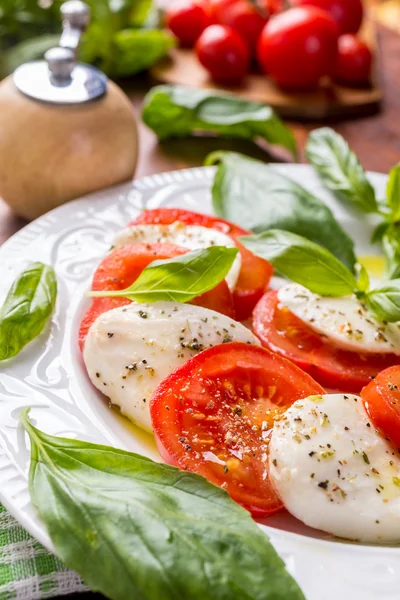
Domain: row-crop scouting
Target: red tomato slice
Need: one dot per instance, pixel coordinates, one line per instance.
(282, 332)
(382, 402)
(122, 267)
(255, 273)
(213, 416)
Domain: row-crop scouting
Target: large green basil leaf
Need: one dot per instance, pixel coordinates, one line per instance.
(393, 193)
(177, 111)
(179, 279)
(137, 529)
(385, 301)
(257, 197)
(303, 261)
(340, 169)
(27, 308)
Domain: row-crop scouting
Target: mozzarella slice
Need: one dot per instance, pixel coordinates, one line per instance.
(192, 237)
(344, 321)
(131, 349)
(334, 472)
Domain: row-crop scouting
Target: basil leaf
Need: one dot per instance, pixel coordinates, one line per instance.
(391, 247)
(302, 261)
(256, 196)
(340, 169)
(178, 111)
(393, 193)
(385, 301)
(134, 528)
(137, 49)
(27, 308)
(179, 279)
(363, 282)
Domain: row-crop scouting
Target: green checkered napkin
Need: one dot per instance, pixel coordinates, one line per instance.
(27, 570)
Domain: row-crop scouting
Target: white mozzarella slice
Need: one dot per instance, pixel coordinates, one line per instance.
(334, 472)
(344, 321)
(131, 349)
(192, 237)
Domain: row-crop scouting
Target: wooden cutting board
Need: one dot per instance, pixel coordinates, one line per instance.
(329, 101)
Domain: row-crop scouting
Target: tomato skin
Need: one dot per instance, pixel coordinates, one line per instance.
(223, 401)
(381, 399)
(255, 273)
(282, 332)
(348, 14)
(354, 62)
(123, 266)
(187, 20)
(244, 18)
(298, 47)
(224, 54)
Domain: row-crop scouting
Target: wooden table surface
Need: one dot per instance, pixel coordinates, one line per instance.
(375, 139)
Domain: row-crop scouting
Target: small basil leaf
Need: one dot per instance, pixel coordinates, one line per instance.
(27, 308)
(134, 528)
(137, 49)
(177, 111)
(391, 248)
(340, 169)
(379, 232)
(179, 279)
(393, 193)
(385, 301)
(303, 261)
(363, 279)
(256, 196)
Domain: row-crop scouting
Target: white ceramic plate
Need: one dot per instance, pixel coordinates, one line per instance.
(49, 376)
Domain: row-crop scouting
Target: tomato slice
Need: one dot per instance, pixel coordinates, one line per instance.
(123, 266)
(255, 273)
(282, 332)
(213, 415)
(381, 399)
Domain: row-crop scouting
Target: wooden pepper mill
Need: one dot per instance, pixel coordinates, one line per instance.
(65, 130)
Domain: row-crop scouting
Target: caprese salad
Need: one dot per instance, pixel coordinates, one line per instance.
(248, 407)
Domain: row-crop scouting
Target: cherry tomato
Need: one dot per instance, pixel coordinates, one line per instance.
(348, 14)
(223, 53)
(255, 273)
(219, 8)
(213, 416)
(281, 331)
(298, 47)
(382, 402)
(244, 18)
(123, 266)
(354, 62)
(187, 20)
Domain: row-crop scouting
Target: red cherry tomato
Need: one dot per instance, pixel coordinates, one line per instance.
(354, 61)
(382, 402)
(298, 47)
(219, 8)
(348, 14)
(187, 20)
(255, 273)
(281, 331)
(212, 416)
(244, 18)
(223, 53)
(122, 267)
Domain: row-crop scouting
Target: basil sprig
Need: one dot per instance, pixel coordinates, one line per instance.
(343, 174)
(27, 308)
(179, 279)
(256, 196)
(174, 111)
(340, 169)
(322, 273)
(133, 528)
